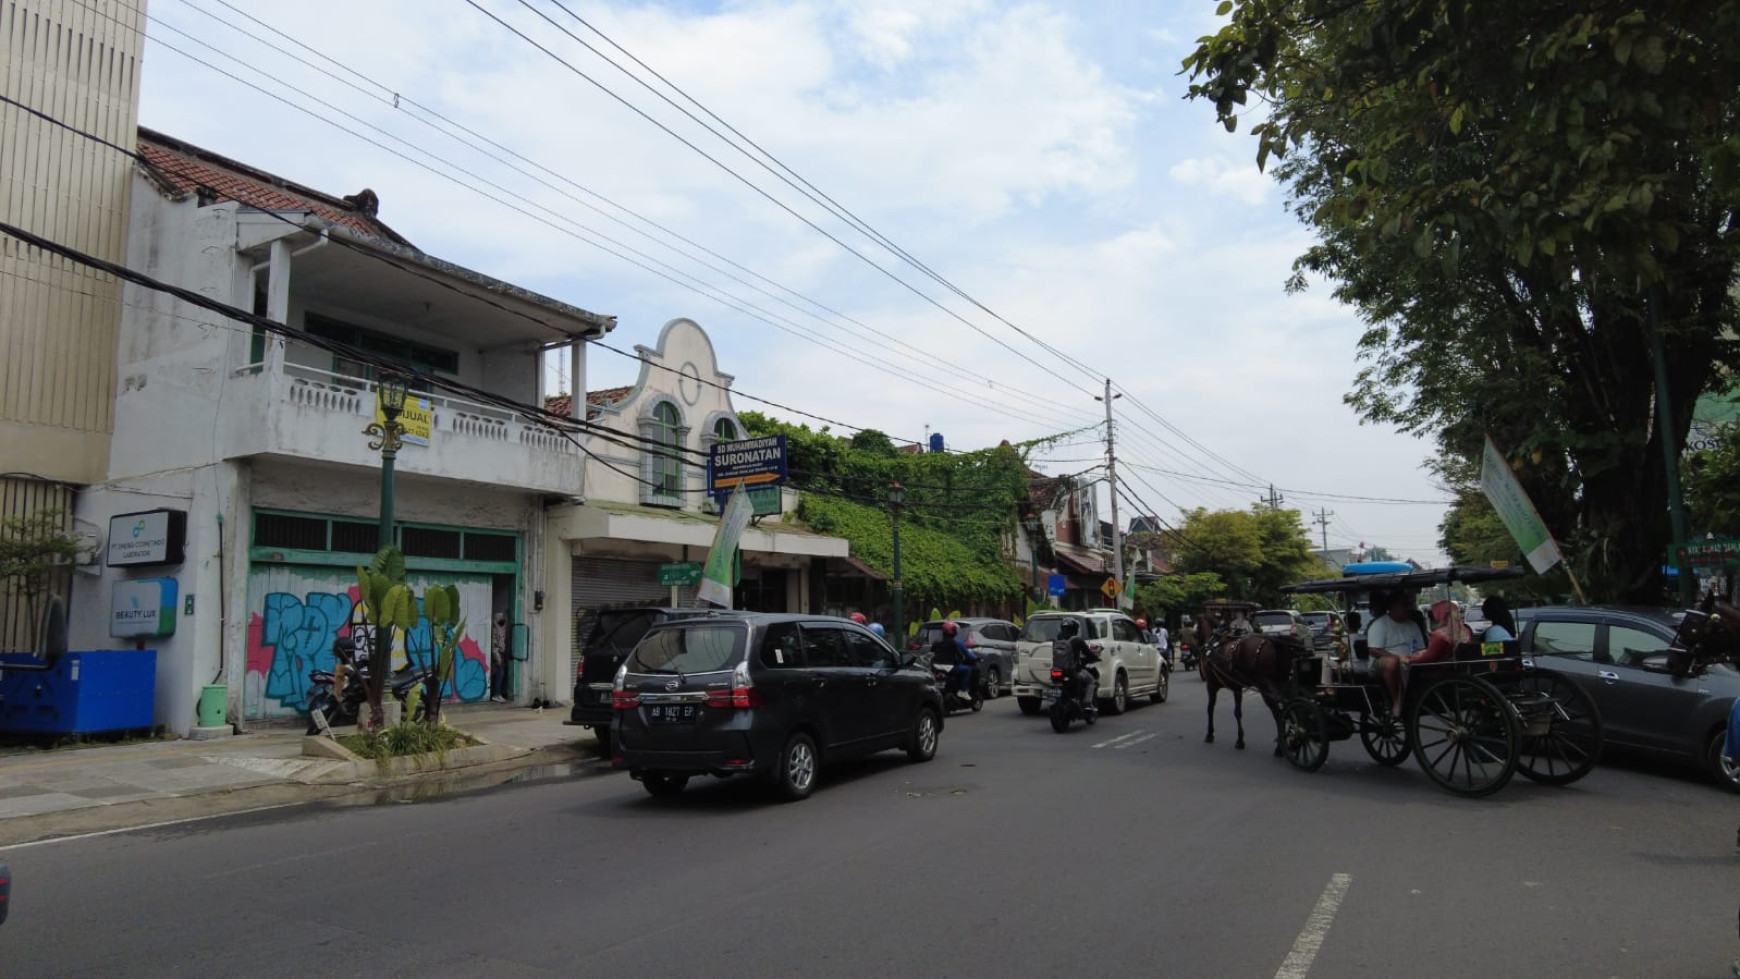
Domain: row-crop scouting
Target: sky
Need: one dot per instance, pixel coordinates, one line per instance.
(1039, 158)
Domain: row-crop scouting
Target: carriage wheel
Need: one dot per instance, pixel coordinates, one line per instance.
(1385, 738)
(1571, 745)
(1465, 736)
(1304, 734)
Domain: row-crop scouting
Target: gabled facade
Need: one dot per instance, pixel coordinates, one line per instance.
(646, 503)
(258, 439)
(1058, 535)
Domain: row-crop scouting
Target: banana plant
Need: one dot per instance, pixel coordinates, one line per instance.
(446, 628)
(387, 605)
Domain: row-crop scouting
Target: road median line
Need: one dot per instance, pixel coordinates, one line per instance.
(1298, 962)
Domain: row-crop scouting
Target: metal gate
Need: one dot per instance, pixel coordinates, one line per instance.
(614, 583)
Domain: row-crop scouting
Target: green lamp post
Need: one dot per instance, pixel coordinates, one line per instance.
(896, 499)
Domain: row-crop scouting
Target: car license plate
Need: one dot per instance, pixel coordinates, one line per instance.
(604, 696)
(673, 713)
(1050, 696)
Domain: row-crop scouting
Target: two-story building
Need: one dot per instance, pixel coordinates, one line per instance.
(256, 440)
(1059, 535)
(647, 505)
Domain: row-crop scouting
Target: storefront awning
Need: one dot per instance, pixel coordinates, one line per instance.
(1079, 560)
(653, 525)
(853, 568)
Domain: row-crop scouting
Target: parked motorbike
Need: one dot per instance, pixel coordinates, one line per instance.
(1064, 700)
(972, 699)
(345, 706)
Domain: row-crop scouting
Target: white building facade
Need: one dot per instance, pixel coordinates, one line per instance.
(257, 442)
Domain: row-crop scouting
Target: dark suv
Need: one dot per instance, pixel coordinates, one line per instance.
(775, 695)
(610, 634)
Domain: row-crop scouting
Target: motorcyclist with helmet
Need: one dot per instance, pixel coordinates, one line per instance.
(966, 661)
(1071, 654)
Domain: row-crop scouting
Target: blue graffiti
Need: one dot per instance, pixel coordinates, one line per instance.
(296, 636)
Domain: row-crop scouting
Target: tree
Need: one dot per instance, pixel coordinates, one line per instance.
(1254, 552)
(1166, 598)
(33, 549)
(1507, 193)
(1713, 485)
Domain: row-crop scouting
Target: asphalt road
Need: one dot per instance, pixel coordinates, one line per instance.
(1126, 848)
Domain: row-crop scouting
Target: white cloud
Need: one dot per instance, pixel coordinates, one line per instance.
(1221, 177)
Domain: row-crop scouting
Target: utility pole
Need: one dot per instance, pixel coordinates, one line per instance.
(1670, 452)
(1322, 520)
(1112, 481)
(1274, 499)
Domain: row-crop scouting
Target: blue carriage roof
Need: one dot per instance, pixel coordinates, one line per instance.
(1405, 579)
(1377, 567)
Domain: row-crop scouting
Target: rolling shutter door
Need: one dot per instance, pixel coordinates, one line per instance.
(614, 583)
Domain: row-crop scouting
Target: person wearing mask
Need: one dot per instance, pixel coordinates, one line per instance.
(1498, 613)
(1071, 654)
(950, 647)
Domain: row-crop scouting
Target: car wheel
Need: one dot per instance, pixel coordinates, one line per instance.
(1028, 705)
(1120, 696)
(993, 683)
(795, 774)
(1726, 773)
(925, 733)
(663, 786)
(1163, 688)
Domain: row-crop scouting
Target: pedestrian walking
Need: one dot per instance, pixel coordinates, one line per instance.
(498, 657)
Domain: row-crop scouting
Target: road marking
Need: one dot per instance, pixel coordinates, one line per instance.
(1121, 737)
(1298, 963)
(136, 829)
(1139, 740)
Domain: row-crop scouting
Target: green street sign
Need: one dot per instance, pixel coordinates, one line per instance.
(681, 573)
(1720, 552)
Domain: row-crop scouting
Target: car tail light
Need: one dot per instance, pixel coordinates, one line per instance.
(624, 699)
(1057, 674)
(742, 694)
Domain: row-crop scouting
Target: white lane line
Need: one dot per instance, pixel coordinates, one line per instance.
(1298, 962)
(137, 829)
(1145, 737)
(1115, 740)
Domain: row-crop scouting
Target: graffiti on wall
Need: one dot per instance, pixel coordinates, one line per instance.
(295, 614)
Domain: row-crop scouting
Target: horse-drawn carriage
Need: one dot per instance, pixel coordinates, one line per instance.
(1472, 721)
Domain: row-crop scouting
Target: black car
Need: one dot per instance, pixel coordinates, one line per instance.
(610, 634)
(773, 695)
(1618, 655)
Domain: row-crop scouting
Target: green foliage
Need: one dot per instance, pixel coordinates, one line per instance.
(1504, 191)
(406, 739)
(1166, 598)
(937, 567)
(1712, 484)
(446, 629)
(32, 548)
(958, 512)
(1252, 553)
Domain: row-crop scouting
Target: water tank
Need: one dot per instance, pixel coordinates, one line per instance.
(936, 442)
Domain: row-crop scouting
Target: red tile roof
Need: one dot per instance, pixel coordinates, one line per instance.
(561, 404)
(187, 170)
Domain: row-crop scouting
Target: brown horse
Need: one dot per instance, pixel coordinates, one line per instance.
(1255, 661)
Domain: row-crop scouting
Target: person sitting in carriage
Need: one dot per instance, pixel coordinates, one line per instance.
(1440, 648)
(1392, 638)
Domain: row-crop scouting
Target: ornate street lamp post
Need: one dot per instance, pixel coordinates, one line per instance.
(386, 437)
(896, 499)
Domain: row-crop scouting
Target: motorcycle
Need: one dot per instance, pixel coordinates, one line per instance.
(1063, 700)
(345, 706)
(953, 699)
(1187, 655)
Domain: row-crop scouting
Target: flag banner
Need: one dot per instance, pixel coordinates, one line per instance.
(716, 579)
(1516, 511)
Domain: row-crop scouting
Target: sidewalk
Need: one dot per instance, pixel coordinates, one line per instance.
(42, 783)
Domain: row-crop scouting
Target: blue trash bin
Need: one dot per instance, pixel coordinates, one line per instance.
(84, 692)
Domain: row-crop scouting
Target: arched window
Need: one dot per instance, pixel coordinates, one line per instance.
(667, 464)
(725, 430)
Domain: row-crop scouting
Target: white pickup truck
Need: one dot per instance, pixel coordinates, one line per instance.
(1128, 667)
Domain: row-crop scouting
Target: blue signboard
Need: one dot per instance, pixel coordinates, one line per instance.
(1058, 584)
(747, 463)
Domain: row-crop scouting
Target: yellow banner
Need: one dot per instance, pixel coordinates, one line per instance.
(417, 420)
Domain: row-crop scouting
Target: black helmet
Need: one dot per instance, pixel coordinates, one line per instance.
(1068, 629)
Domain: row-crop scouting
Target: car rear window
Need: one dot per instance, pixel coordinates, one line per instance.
(1317, 618)
(928, 634)
(1274, 619)
(1045, 629)
(619, 630)
(695, 649)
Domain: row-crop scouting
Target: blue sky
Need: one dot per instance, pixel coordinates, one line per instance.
(1037, 155)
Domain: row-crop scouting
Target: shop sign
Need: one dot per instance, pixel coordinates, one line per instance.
(146, 538)
(142, 607)
(416, 419)
(1720, 552)
(747, 463)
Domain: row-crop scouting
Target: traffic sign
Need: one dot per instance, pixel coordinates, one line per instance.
(1111, 588)
(681, 573)
(1500, 564)
(1057, 585)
